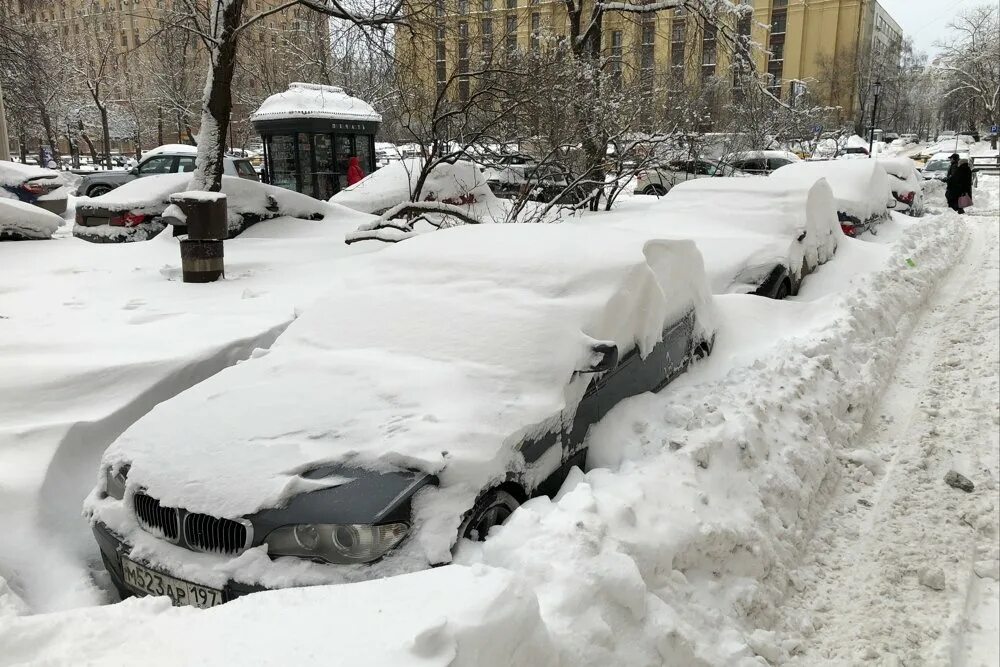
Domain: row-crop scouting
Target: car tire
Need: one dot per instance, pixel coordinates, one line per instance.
(492, 508)
(98, 190)
(657, 190)
(784, 291)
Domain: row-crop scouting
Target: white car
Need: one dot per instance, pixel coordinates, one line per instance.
(760, 162)
(937, 167)
(660, 180)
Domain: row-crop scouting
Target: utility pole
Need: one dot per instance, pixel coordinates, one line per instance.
(871, 139)
(4, 139)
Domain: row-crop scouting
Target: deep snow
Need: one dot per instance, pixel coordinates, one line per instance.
(695, 529)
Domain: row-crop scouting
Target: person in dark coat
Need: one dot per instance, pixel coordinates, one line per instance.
(354, 171)
(959, 182)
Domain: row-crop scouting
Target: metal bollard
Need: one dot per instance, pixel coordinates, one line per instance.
(202, 256)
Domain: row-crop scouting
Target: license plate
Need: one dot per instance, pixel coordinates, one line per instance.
(94, 222)
(143, 580)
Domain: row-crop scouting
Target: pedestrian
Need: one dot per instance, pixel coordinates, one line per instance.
(354, 171)
(959, 184)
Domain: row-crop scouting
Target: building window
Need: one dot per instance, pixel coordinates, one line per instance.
(708, 52)
(486, 33)
(487, 5)
(616, 58)
(124, 38)
(440, 59)
(647, 55)
(463, 6)
(438, 7)
(511, 36)
(536, 26)
(678, 37)
(511, 4)
(463, 61)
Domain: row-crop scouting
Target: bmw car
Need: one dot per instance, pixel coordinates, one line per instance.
(440, 383)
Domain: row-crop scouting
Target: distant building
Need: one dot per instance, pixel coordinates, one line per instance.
(832, 48)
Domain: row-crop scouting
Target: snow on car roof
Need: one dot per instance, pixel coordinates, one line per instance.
(741, 225)
(14, 173)
(310, 100)
(22, 219)
(440, 353)
(903, 169)
(183, 149)
(750, 155)
(860, 187)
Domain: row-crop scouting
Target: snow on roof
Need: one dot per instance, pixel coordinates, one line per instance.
(20, 219)
(860, 187)
(311, 100)
(393, 184)
(15, 173)
(745, 226)
(750, 155)
(184, 149)
(441, 354)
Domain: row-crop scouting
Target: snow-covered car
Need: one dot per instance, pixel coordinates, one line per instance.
(756, 235)
(439, 384)
(45, 188)
(659, 180)
(134, 212)
(861, 191)
(20, 221)
(853, 153)
(461, 183)
(937, 167)
(905, 184)
(760, 162)
(168, 159)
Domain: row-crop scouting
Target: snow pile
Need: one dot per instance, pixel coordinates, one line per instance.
(517, 310)
(310, 100)
(676, 548)
(903, 169)
(860, 187)
(19, 220)
(15, 173)
(460, 183)
(372, 624)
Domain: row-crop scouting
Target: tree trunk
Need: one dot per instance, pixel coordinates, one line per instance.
(159, 126)
(107, 136)
(50, 135)
(90, 144)
(217, 103)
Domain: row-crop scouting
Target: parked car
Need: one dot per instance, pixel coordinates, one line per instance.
(472, 364)
(905, 184)
(756, 235)
(850, 152)
(860, 188)
(168, 159)
(40, 187)
(552, 182)
(659, 180)
(508, 174)
(937, 166)
(909, 138)
(134, 211)
(760, 162)
(20, 221)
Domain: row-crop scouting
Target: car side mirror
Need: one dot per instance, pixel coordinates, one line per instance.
(134, 171)
(605, 358)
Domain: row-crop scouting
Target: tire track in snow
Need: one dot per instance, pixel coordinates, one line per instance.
(893, 526)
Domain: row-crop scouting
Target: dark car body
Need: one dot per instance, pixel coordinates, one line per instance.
(378, 498)
(166, 162)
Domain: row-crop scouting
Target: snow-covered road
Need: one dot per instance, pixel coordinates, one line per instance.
(903, 568)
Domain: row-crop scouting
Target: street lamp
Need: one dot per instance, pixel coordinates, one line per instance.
(871, 138)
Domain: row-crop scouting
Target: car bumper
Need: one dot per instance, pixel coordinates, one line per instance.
(113, 548)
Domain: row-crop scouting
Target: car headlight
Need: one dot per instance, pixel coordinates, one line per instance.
(335, 543)
(114, 481)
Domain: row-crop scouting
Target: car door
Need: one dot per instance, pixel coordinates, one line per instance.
(185, 164)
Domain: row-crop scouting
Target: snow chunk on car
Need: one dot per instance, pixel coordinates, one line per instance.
(441, 355)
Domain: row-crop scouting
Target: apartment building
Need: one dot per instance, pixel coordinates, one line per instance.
(821, 46)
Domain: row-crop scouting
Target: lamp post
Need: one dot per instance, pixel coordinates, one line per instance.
(871, 138)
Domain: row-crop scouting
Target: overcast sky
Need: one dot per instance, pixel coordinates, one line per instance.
(926, 20)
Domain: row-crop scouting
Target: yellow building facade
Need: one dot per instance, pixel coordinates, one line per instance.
(826, 47)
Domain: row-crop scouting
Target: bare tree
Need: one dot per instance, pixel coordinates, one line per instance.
(972, 61)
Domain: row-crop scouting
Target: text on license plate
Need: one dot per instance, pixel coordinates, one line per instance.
(150, 582)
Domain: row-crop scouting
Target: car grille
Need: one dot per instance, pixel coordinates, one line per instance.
(208, 533)
(155, 518)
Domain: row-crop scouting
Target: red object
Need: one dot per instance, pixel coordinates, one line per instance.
(35, 188)
(905, 198)
(127, 220)
(848, 229)
(354, 171)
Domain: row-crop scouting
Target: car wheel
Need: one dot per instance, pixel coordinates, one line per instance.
(98, 190)
(492, 509)
(784, 291)
(657, 190)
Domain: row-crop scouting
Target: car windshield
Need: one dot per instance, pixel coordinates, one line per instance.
(937, 165)
(244, 168)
